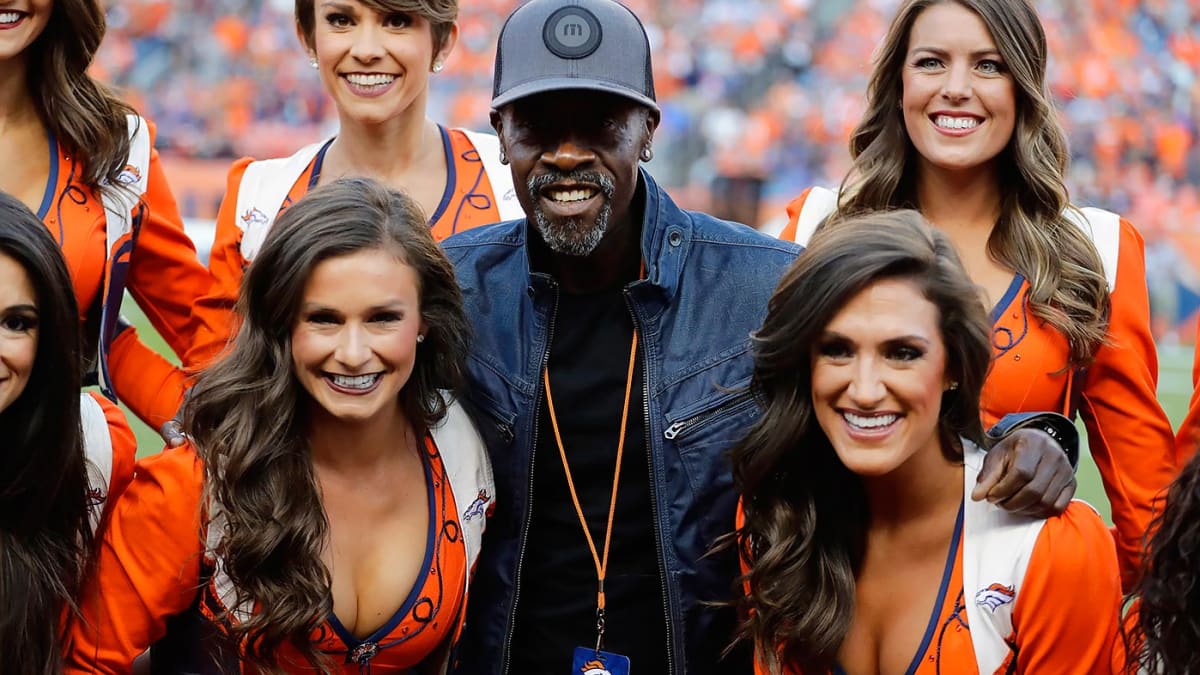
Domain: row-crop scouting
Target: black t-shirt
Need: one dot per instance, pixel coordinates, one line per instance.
(556, 610)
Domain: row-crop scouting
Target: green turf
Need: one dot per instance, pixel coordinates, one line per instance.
(1174, 391)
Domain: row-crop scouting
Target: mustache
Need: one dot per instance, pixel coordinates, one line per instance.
(536, 183)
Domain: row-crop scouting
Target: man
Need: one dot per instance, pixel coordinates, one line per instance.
(610, 367)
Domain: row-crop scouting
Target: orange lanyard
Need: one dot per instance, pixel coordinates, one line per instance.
(601, 564)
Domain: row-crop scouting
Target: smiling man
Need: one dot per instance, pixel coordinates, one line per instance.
(612, 332)
(610, 369)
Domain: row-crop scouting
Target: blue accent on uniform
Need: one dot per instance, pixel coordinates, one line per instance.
(318, 162)
(947, 573)
(52, 179)
(1007, 298)
(451, 176)
(435, 526)
(931, 627)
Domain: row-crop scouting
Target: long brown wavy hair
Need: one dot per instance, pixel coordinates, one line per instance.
(87, 118)
(803, 536)
(1166, 636)
(246, 413)
(45, 531)
(441, 15)
(1032, 235)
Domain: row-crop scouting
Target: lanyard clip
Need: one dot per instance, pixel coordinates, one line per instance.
(599, 628)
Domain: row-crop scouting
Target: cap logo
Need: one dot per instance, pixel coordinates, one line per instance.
(572, 33)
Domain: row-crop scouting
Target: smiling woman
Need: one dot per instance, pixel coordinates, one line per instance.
(334, 413)
(959, 124)
(65, 456)
(856, 509)
(376, 59)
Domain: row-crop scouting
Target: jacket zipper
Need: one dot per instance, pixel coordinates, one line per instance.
(537, 412)
(661, 559)
(681, 427)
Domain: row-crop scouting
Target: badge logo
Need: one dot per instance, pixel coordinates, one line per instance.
(994, 596)
(572, 33)
(594, 667)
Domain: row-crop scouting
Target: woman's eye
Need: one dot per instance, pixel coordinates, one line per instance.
(990, 67)
(906, 354)
(398, 20)
(928, 62)
(834, 350)
(18, 323)
(387, 317)
(337, 20)
(321, 318)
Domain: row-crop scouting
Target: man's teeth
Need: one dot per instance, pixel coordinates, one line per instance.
(869, 422)
(948, 122)
(10, 17)
(370, 79)
(354, 382)
(571, 195)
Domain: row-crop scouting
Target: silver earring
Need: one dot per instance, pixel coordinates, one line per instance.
(647, 153)
(437, 66)
(420, 339)
(312, 63)
(503, 157)
(952, 387)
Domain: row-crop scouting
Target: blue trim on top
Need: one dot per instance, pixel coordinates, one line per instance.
(936, 615)
(318, 162)
(1007, 298)
(52, 179)
(414, 595)
(451, 177)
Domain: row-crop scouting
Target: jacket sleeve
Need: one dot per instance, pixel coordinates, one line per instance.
(226, 267)
(124, 449)
(147, 567)
(1129, 435)
(149, 384)
(1067, 614)
(1188, 438)
(165, 277)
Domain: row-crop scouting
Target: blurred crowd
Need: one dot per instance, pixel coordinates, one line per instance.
(758, 99)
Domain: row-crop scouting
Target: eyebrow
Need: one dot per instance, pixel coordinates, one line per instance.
(317, 307)
(938, 51)
(13, 309)
(834, 335)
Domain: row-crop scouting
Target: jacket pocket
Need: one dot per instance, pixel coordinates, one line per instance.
(495, 425)
(703, 439)
(693, 423)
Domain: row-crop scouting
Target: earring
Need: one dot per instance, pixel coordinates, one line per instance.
(420, 338)
(437, 66)
(647, 153)
(312, 62)
(503, 157)
(952, 386)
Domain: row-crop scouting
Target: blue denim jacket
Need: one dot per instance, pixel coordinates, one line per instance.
(706, 288)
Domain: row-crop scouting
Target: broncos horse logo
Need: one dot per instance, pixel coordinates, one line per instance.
(478, 508)
(994, 596)
(594, 667)
(129, 175)
(253, 216)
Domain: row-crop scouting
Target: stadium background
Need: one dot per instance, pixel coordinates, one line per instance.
(758, 98)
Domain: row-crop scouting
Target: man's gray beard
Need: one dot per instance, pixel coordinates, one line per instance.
(571, 236)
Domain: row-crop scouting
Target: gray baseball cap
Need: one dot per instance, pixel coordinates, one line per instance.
(549, 45)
